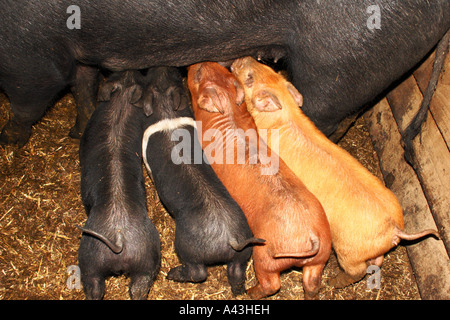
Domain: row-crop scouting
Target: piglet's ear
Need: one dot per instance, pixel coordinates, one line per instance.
(145, 102)
(179, 98)
(148, 105)
(265, 101)
(295, 94)
(136, 93)
(211, 100)
(240, 93)
(249, 80)
(106, 89)
(184, 102)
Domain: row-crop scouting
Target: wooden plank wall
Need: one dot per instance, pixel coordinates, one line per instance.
(423, 188)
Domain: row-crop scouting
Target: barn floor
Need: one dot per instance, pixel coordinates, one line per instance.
(40, 205)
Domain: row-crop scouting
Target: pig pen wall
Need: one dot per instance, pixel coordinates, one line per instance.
(40, 205)
(423, 187)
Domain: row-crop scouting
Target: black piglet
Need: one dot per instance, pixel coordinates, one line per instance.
(210, 226)
(118, 237)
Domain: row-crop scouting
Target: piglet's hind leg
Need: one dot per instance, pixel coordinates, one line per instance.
(140, 286)
(94, 287)
(312, 276)
(188, 273)
(236, 277)
(269, 284)
(353, 273)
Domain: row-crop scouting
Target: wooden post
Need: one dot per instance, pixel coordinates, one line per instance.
(428, 257)
(431, 159)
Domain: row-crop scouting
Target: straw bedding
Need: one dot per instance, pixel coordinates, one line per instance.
(40, 205)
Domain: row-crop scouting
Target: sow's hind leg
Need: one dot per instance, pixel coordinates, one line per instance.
(29, 99)
(84, 90)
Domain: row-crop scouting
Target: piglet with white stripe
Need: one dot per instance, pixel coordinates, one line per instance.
(210, 226)
(118, 237)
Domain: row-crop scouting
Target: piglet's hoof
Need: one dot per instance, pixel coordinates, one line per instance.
(186, 273)
(258, 292)
(238, 289)
(174, 274)
(342, 280)
(254, 293)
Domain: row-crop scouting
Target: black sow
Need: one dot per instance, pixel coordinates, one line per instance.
(335, 58)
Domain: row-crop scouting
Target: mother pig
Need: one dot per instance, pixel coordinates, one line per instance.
(334, 55)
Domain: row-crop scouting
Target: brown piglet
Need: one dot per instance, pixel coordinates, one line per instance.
(278, 206)
(365, 217)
